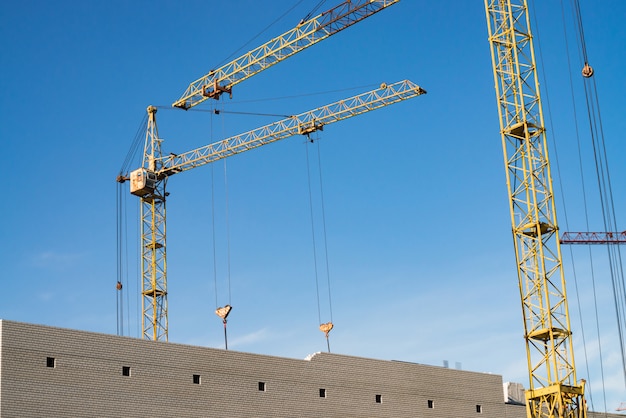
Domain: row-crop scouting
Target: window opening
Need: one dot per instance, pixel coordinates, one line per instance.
(196, 379)
(379, 398)
(431, 404)
(262, 386)
(479, 409)
(125, 371)
(322, 393)
(50, 361)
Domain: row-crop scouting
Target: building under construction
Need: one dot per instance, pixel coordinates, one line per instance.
(54, 372)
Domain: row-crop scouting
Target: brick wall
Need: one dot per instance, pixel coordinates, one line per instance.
(54, 372)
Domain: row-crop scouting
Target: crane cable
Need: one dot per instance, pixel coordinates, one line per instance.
(586, 214)
(119, 299)
(603, 178)
(122, 230)
(314, 10)
(560, 183)
(220, 311)
(327, 326)
(225, 60)
(604, 187)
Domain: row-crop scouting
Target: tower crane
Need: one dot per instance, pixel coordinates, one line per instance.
(554, 390)
(149, 181)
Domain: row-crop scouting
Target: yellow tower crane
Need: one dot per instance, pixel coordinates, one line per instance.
(554, 390)
(149, 181)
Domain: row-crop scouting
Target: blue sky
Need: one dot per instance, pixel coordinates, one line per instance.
(418, 233)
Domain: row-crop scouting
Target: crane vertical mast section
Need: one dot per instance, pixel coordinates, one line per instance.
(151, 189)
(554, 390)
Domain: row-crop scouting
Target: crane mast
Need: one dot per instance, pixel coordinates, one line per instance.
(554, 390)
(149, 181)
(152, 215)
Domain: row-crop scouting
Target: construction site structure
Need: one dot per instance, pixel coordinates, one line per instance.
(554, 389)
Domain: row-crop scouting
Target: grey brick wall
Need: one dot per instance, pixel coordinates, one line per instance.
(87, 381)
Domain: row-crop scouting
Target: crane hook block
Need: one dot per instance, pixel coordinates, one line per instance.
(223, 312)
(325, 328)
(587, 70)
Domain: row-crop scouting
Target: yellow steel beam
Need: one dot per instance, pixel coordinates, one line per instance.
(303, 123)
(153, 251)
(554, 390)
(305, 34)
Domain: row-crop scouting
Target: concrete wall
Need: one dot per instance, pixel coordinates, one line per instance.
(86, 379)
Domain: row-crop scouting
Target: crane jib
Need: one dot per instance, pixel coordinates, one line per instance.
(301, 124)
(304, 35)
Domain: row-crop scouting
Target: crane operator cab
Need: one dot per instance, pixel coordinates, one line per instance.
(142, 182)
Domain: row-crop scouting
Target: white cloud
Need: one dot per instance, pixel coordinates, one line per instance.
(54, 259)
(250, 338)
(46, 296)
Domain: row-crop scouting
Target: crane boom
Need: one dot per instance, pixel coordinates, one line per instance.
(594, 238)
(305, 34)
(554, 390)
(303, 123)
(149, 182)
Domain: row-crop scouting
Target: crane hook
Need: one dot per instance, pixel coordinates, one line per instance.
(587, 70)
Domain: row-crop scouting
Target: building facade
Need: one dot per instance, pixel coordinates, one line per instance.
(53, 372)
